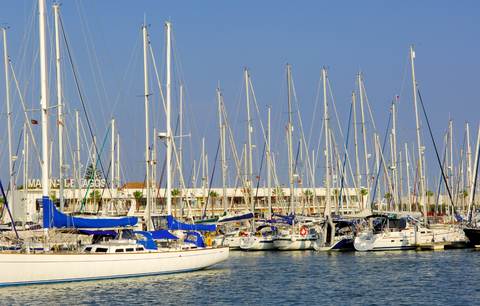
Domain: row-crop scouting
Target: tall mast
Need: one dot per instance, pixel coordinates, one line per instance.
(451, 169)
(364, 134)
(249, 139)
(204, 174)
(327, 140)
(421, 190)
(112, 155)
(153, 161)
(180, 147)
(79, 167)
(221, 128)
(469, 156)
(269, 167)
(44, 96)
(396, 191)
(11, 174)
(118, 161)
(168, 27)
(148, 209)
(472, 186)
(358, 177)
(25, 170)
(60, 121)
(290, 138)
(407, 170)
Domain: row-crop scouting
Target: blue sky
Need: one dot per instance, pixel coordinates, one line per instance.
(214, 40)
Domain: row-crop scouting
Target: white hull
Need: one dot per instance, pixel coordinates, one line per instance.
(23, 269)
(386, 241)
(408, 239)
(233, 242)
(295, 242)
(254, 243)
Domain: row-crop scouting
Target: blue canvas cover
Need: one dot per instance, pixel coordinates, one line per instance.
(174, 224)
(52, 218)
(195, 238)
(163, 234)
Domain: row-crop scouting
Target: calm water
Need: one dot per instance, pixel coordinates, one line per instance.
(287, 278)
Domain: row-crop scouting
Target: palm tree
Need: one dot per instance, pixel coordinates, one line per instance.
(138, 195)
(175, 192)
(95, 196)
(308, 194)
(363, 193)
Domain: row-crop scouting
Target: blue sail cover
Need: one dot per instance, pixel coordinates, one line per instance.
(174, 224)
(52, 218)
(163, 234)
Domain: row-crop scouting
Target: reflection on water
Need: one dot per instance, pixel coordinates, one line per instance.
(448, 277)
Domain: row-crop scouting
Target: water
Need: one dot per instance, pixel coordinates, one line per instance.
(286, 278)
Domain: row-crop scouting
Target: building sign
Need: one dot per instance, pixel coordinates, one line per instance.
(68, 183)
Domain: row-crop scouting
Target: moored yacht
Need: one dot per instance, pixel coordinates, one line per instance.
(261, 240)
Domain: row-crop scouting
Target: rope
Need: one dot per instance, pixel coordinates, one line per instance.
(211, 179)
(436, 152)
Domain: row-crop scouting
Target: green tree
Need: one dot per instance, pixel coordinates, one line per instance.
(138, 195)
(308, 194)
(175, 192)
(363, 193)
(213, 194)
(388, 196)
(429, 194)
(278, 192)
(95, 196)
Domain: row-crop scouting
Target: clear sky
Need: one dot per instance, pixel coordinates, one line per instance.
(214, 40)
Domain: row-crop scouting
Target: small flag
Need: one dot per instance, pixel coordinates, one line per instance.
(33, 121)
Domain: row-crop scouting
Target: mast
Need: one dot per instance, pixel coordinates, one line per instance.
(148, 208)
(25, 170)
(407, 170)
(112, 155)
(168, 28)
(11, 173)
(44, 96)
(290, 139)
(396, 191)
(204, 175)
(221, 128)
(118, 161)
(78, 162)
(469, 157)
(249, 138)
(358, 177)
(451, 169)
(269, 165)
(180, 147)
(421, 190)
(472, 186)
(60, 121)
(364, 134)
(327, 140)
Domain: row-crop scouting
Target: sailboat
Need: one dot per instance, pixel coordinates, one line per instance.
(126, 256)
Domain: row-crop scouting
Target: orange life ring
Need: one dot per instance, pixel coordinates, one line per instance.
(303, 231)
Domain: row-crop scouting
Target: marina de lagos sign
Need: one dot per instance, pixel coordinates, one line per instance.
(68, 183)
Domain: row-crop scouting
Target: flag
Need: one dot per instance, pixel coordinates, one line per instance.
(33, 121)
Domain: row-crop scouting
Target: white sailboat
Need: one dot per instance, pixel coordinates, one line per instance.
(115, 259)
